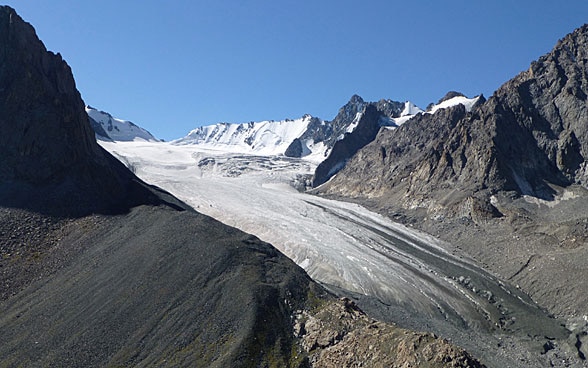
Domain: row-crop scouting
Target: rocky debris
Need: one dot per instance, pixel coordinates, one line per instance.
(155, 286)
(30, 246)
(339, 334)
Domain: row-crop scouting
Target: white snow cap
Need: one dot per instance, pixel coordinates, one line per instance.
(411, 110)
(119, 130)
(261, 138)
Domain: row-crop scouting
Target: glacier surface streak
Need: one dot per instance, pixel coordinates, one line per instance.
(337, 243)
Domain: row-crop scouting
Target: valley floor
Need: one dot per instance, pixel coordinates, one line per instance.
(396, 273)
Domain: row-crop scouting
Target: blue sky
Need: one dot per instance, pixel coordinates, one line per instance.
(172, 66)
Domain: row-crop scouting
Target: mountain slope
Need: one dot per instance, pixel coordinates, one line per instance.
(367, 121)
(261, 138)
(506, 181)
(531, 133)
(309, 137)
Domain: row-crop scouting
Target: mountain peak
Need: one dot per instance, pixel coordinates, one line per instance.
(356, 99)
(449, 95)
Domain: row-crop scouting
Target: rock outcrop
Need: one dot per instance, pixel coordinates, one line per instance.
(339, 334)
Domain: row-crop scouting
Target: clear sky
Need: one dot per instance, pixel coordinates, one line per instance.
(171, 66)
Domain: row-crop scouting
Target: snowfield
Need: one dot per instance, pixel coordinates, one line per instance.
(337, 243)
(267, 138)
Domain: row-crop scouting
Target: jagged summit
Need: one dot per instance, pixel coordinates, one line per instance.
(367, 120)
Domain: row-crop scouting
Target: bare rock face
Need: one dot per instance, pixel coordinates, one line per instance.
(545, 109)
(531, 135)
(47, 144)
(368, 116)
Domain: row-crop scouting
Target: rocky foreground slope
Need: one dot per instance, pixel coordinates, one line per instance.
(99, 269)
(506, 183)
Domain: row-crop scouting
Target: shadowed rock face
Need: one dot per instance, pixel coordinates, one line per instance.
(345, 144)
(50, 159)
(44, 124)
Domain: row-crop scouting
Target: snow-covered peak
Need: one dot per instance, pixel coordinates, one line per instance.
(261, 138)
(454, 101)
(110, 128)
(410, 109)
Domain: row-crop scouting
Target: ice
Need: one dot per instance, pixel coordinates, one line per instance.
(337, 243)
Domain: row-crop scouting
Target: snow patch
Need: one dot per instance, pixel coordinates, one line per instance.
(468, 103)
(410, 109)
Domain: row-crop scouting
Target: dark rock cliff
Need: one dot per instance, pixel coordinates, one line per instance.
(47, 144)
(346, 143)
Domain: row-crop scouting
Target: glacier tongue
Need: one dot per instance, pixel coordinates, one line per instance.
(337, 243)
